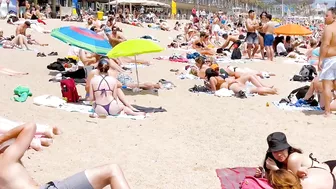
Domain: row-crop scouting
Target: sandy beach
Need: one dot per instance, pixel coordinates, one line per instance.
(179, 149)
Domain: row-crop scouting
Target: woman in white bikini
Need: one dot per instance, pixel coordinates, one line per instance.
(103, 91)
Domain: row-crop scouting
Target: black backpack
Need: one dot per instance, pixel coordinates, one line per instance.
(308, 72)
(236, 54)
(300, 93)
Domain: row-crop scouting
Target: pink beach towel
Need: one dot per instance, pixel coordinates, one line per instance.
(231, 178)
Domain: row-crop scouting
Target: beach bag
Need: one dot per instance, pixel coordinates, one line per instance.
(69, 90)
(255, 183)
(236, 54)
(308, 71)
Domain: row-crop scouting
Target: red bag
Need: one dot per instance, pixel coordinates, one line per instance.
(255, 183)
(69, 90)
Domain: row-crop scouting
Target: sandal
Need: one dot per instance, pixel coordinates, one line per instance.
(241, 94)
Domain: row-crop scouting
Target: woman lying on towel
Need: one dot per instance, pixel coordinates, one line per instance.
(281, 155)
(238, 72)
(104, 93)
(316, 88)
(43, 135)
(203, 45)
(317, 178)
(238, 86)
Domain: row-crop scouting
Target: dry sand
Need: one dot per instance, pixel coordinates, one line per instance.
(178, 149)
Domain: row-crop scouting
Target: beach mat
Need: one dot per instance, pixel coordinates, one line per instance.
(231, 178)
(56, 102)
(289, 107)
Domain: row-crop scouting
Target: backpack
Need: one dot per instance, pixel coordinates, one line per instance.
(300, 93)
(308, 71)
(236, 54)
(69, 90)
(255, 183)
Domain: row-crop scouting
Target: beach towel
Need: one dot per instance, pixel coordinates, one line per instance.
(224, 93)
(132, 65)
(149, 109)
(56, 102)
(292, 107)
(231, 178)
(11, 72)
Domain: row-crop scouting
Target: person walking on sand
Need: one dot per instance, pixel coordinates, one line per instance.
(251, 36)
(13, 175)
(327, 59)
(269, 37)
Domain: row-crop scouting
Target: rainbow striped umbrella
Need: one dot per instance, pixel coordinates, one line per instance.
(82, 38)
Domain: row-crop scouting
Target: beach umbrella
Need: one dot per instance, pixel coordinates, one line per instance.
(292, 29)
(134, 47)
(82, 38)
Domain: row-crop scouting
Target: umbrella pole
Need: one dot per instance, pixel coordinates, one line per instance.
(136, 71)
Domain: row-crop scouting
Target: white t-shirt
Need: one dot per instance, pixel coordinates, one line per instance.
(281, 48)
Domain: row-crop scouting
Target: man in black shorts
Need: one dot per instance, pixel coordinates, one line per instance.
(13, 174)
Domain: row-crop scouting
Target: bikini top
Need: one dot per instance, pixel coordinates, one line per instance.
(103, 91)
(316, 51)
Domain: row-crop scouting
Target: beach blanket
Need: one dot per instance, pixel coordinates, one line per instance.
(56, 102)
(224, 93)
(291, 107)
(231, 178)
(228, 60)
(11, 72)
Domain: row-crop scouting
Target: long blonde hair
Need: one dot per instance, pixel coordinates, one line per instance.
(283, 179)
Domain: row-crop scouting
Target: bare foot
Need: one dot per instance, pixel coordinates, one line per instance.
(36, 144)
(46, 142)
(327, 114)
(56, 130)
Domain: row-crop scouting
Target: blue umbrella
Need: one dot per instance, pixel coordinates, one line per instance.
(82, 38)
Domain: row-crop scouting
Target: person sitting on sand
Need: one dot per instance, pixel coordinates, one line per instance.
(18, 41)
(114, 36)
(316, 88)
(103, 91)
(218, 81)
(13, 174)
(203, 45)
(313, 52)
(201, 64)
(281, 155)
(43, 136)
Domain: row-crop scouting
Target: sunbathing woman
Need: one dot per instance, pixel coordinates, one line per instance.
(316, 178)
(218, 81)
(281, 155)
(238, 72)
(203, 45)
(103, 91)
(313, 52)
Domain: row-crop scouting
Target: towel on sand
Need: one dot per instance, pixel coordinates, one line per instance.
(56, 102)
(291, 107)
(231, 178)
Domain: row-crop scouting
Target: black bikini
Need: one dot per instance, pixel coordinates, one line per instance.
(331, 164)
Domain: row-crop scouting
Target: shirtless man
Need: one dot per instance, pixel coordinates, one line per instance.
(268, 28)
(252, 38)
(235, 39)
(327, 59)
(113, 36)
(21, 29)
(13, 174)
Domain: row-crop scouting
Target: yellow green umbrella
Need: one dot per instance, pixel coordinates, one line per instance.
(134, 47)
